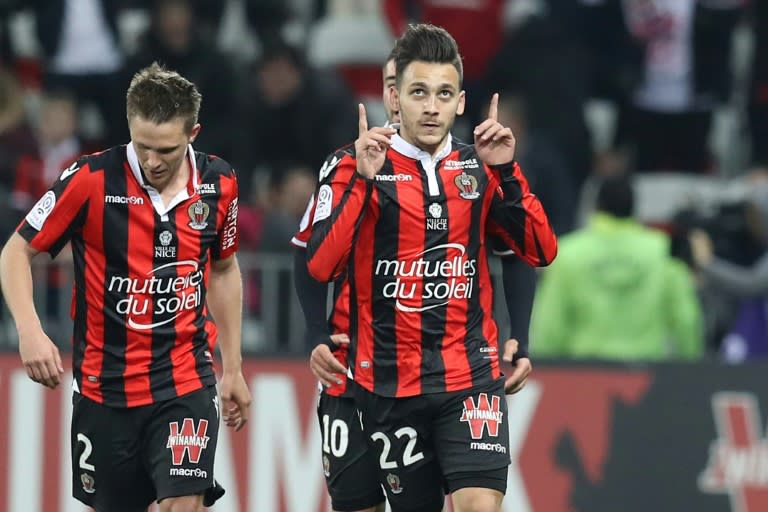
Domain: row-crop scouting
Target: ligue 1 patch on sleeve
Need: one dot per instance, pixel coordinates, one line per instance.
(324, 203)
(42, 209)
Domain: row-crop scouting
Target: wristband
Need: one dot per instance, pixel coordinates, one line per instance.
(522, 353)
(328, 343)
(506, 171)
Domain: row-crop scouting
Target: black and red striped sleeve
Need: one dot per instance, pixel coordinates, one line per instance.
(229, 236)
(517, 217)
(50, 223)
(341, 201)
(301, 238)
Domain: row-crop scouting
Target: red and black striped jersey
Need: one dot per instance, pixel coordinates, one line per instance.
(142, 331)
(413, 244)
(338, 320)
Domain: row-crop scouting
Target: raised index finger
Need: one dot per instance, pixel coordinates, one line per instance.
(362, 122)
(493, 111)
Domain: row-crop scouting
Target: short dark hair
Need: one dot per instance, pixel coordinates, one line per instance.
(392, 55)
(615, 196)
(160, 95)
(426, 43)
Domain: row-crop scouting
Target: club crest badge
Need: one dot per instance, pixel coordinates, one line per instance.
(467, 185)
(394, 483)
(198, 215)
(326, 466)
(89, 483)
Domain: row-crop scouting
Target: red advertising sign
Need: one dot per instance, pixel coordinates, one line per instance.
(581, 439)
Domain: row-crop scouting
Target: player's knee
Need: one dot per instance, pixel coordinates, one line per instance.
(182, 504)
(477, 500)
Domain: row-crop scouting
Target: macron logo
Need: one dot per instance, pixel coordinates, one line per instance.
(394, 177)
(124, 199)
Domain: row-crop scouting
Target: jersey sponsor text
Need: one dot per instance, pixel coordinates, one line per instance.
(456, 279)
(185, 290)
(189, 441)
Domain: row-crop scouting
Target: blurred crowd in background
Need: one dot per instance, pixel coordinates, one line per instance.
(672, 94)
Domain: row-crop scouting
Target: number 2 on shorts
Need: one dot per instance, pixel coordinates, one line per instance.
(88, 448)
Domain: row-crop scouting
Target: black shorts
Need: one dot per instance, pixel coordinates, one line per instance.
(349, 465)
(429, 444)
(123, 459)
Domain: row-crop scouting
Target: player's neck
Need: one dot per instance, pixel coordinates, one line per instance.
(176, 184)
(431, 149)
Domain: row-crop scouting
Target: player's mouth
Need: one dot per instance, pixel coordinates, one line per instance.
(430, 126)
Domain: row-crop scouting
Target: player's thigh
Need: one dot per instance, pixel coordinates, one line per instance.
(472, 438)
(106, 465)
(180, 446)
(408, 468)
(349, 465)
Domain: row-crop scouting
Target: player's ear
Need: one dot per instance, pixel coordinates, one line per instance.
(394, 98)
(195, 131)
(460, 106)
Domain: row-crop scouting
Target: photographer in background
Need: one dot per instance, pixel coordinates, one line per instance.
(747, 333)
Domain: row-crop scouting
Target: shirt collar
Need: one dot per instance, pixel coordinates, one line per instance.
(405, 148)
(133, 162)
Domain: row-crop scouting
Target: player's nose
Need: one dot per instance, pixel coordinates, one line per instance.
(153, 159)
(430, 104)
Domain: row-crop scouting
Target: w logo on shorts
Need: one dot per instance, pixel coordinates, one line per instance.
(190, 440)
(482, 415)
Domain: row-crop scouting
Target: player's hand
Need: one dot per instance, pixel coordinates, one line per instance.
(521, 368)
(494, 143)
(371, 145)
(235, 399)
(41, 358)
(323, 363)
